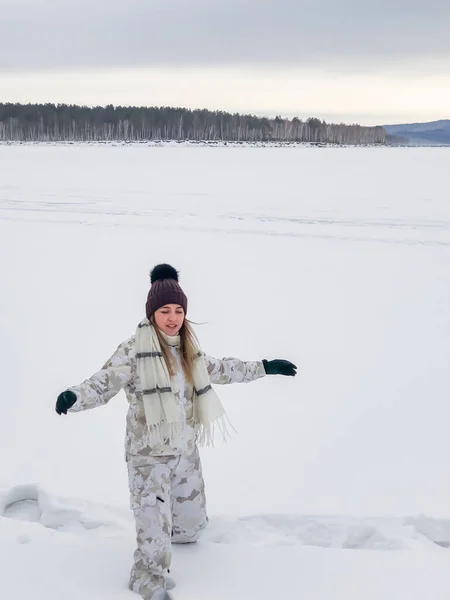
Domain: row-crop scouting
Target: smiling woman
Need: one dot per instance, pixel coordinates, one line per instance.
(169, 318)
(172, 410)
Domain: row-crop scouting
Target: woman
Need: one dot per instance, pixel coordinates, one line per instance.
(172, 410)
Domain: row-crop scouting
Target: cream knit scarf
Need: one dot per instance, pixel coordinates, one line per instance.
(163, 412)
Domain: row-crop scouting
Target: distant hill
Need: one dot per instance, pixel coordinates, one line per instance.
(434, 133)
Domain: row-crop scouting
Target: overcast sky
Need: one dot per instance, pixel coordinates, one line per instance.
(352, 60)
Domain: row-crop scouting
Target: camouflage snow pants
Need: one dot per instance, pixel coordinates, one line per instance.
(167, 496)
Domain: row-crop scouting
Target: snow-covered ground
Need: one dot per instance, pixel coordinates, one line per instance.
(336, 485)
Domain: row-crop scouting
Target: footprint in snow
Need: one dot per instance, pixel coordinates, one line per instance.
(31, 503)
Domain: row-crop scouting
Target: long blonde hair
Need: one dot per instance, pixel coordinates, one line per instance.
(189, 350)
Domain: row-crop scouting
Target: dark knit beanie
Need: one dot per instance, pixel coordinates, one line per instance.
(165, 289)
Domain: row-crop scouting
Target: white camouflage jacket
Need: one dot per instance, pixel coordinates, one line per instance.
(120, 372)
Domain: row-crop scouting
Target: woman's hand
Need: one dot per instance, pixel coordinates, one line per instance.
(64, 401)
(279, 367)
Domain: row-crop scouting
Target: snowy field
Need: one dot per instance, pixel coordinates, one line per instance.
(336, 486)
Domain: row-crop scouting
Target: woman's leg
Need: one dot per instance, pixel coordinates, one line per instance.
(149, 484)
(188, 499)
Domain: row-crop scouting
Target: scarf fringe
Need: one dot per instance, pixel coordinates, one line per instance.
(207, 432)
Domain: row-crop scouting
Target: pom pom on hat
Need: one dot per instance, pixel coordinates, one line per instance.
(163, 271)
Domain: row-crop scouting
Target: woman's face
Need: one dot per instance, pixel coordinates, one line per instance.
(169, 318)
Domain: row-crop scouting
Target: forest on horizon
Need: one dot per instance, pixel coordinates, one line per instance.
(62, 122)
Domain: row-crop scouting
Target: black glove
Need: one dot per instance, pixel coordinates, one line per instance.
(65, 401)
(279, 367)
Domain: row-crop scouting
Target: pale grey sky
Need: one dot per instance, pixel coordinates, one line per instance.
(359, 60)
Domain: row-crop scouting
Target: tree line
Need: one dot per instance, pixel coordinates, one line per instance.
(62, 122)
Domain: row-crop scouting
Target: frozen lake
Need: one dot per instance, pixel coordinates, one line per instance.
(336, 259)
